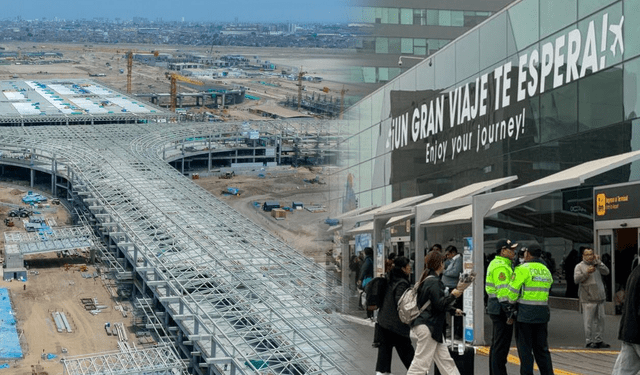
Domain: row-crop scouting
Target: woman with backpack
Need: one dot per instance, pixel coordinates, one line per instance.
(392, 332)
(429, 325)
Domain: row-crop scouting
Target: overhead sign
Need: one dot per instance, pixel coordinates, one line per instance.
(617, 202)
(493, 106)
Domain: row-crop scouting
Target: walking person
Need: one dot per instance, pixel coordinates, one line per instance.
(628, 361)
(529, 294)
(591, 293)
(569, 267)
(394, 333)
(450, 278)
(366, 275)
(496, 285)
(429, 325)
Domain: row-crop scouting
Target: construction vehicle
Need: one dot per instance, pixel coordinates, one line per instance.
(9, 222)
(227, 175)
(231, 191)
(20, 212)
(174, 78)
(315, 180)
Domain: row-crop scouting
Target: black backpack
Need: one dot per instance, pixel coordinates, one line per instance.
(375, 291)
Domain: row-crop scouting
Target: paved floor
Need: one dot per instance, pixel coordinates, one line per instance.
(566, 340)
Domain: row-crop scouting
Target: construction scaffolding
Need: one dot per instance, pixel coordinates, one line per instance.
(230, 297)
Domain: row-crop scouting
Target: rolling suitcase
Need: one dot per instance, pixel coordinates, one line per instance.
(462, 355)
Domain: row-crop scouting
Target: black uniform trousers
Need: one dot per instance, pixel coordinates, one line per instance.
(500, 344)
(532, 342)
(403, 346)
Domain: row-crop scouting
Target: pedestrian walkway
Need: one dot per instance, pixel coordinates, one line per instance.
(566, 342)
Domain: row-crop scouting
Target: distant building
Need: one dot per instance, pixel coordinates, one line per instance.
(182, 66)
(240, 30)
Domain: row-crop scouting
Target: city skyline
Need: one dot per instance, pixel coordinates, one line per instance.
(190, 11)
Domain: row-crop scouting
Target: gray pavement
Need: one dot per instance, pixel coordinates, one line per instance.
(566, 341)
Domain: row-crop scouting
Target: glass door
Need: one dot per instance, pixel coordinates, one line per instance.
(604, 250)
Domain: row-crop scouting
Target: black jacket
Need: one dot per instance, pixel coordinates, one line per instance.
(630, 320)
(388, 314)
(366, 269)
(432, 289)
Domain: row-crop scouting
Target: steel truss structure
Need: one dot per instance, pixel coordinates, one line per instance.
(158, 360)
(58, 239)
(233, 298)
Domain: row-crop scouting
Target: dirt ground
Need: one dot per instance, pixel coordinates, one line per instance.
(330, 64)
(303, 230)
(52, 285)
(56, 284)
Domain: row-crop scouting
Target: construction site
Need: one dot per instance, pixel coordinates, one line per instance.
(203, 85)
(127, 265)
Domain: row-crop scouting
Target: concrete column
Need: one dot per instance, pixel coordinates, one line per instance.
(32, 176)
(54, 169)
(209, 155)
(420, 244)
(346, 292)
(480, 208)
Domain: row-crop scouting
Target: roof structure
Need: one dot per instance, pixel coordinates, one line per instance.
(65, 101)
(241, 298)
(58, 239)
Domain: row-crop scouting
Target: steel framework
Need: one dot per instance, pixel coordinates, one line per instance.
(55, 240)
(158, 360)
(233, 297)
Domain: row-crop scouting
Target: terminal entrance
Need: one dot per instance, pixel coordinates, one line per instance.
(616, 224)
(618, 249)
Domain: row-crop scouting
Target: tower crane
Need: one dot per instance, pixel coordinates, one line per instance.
(300, 75)
(174, 78)
(130, 65)
(342, 92)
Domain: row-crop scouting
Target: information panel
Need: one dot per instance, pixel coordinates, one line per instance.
(617, 202)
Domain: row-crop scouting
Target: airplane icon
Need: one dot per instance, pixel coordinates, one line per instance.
(617, 31)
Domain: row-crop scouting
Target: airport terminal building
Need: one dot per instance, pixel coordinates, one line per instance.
(510, 131)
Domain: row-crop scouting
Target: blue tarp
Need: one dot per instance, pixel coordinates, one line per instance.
(51, 356)
(31, 197)
(332, 222)
(4, 365)
(9, 342)
(258, 364)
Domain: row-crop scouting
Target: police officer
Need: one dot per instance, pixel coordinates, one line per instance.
(529, 294)
(496, 286)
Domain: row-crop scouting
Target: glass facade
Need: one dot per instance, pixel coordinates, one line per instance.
(423, 17)
(541, 86)
(394, 29)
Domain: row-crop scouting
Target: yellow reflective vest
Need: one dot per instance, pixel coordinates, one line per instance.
(497, 283)
(529, 289)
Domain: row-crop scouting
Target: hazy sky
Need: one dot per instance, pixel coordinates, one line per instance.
(174, 10)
